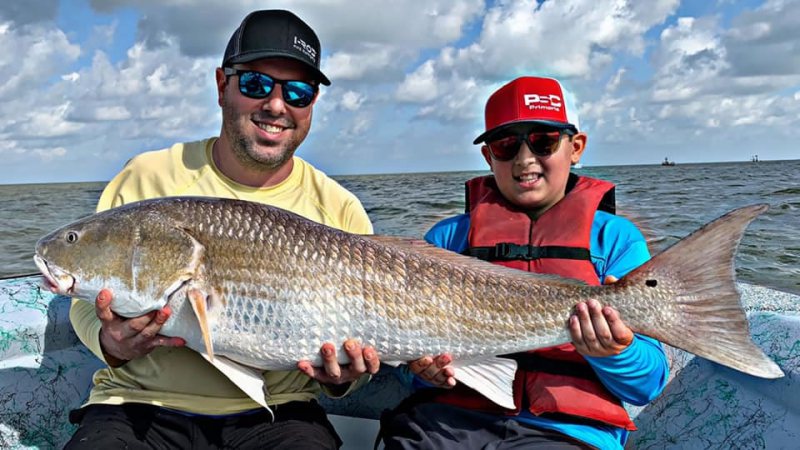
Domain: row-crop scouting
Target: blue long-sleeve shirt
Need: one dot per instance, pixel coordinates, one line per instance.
(639, 373)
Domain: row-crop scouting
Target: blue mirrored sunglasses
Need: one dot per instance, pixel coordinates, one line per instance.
(259, 85)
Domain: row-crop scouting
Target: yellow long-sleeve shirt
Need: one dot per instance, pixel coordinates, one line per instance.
(179, 378)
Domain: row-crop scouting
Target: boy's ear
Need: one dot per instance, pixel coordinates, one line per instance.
(487, 156)
(578, 147)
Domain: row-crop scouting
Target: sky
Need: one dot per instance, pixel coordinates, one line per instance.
(86, 85)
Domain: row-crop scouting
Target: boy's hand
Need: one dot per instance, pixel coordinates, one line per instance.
(362, 360)
(435, 371)
(598, 330)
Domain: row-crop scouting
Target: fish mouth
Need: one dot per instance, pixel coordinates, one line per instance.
(56, 279)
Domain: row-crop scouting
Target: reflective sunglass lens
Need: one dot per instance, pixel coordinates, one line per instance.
(543, 144)
(504, 149)
(298, 93)
(255, 85)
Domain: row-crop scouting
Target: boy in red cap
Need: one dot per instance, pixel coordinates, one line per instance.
(533, 214)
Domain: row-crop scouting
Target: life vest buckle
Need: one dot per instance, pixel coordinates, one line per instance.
(509, 251)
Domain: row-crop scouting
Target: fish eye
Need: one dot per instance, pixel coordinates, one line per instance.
(71, 237)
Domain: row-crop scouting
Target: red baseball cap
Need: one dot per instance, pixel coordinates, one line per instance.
(533, 100)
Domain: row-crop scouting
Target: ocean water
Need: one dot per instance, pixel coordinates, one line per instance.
(667, 203)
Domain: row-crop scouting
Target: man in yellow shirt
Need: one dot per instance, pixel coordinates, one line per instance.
(156, 393)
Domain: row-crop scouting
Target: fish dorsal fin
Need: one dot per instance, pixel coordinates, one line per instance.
(493, 378)
(469, 263)
(399, 241)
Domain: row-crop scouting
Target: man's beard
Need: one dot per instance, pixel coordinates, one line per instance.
(244, 147)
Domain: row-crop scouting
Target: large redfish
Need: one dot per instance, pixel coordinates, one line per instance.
(254, 287)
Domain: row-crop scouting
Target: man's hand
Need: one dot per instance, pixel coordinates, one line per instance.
(598, 330)
(436, 371)
(125, 339)
(362, 360)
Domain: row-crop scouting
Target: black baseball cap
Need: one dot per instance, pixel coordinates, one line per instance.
(275, 33)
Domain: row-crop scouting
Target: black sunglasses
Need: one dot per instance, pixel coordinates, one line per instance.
(541, 143)
(259, 85)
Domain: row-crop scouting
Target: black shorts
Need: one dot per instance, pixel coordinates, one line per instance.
(297, 425)
(436, 426)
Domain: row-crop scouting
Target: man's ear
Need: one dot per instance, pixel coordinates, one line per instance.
(487, 156)
(222, 81)
(578, 144)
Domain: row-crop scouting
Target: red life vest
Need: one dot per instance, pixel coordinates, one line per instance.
(554, 380)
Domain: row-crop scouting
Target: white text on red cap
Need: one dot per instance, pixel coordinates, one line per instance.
(551, 102)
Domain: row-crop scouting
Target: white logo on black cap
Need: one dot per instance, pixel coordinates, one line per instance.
(306, 49)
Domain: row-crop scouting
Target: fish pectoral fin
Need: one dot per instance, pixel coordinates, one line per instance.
(248, 379)
(199, 305)
(164, 257)
(493, 378)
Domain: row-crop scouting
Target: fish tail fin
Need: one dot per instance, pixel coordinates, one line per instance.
(706, 317)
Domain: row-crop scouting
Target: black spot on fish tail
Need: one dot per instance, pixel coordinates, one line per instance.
(700, 310)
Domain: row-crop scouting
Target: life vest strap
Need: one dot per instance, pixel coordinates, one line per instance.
(506, 251)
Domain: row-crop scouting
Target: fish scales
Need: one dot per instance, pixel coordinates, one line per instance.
(233, 255)
(385, 293)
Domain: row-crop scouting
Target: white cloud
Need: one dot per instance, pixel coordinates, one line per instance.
(33, 52)
(28, 11)
(420, 86)
(40, 123)
(616, 80)
(358, 126)
(557, 38)
(6, 145)
(104, 113)
(150, 84)
(463, 100)
(369, 61)
(49, 154)
(525, 37)
(763, 42)
(352, 100)
(690, 57)
(411, 24)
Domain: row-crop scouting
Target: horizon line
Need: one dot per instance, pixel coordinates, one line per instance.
(332, 175)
